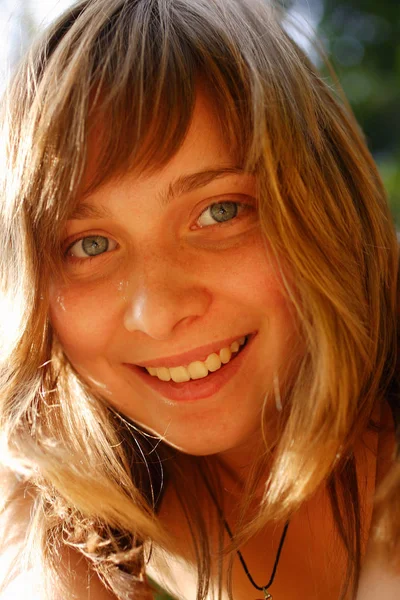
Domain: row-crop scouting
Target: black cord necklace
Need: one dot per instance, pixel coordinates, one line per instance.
(264, 588)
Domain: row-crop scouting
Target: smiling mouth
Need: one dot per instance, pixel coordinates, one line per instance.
(196, 370)
(207, 387)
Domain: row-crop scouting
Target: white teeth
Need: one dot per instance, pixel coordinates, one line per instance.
(163, 374)
(197, 369)
(213, 362)
(179, 374)
(235, 346)
(225, 355)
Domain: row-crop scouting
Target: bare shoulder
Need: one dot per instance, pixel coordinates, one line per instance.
(378, 579)
(14, 517)
(80, 583)
(23, 586)
(17, 578)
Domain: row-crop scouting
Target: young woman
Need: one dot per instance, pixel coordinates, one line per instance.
(199, 316)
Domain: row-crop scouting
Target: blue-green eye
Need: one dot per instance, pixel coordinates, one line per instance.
(220, 212)
(91, 246)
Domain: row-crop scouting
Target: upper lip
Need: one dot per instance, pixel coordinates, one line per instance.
(186, 358)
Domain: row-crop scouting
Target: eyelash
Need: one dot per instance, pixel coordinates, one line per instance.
(241, 206)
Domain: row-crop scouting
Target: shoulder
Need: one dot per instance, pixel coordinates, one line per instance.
(17, 577)
(14, 518)
(80, 583)
(23, 586)
(378, 579)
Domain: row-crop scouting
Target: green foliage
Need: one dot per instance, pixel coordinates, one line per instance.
(363, 43)
(160, 594)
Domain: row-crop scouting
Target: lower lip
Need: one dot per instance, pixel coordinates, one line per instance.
(196, 389)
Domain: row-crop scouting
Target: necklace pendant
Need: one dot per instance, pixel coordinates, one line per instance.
(267, 595)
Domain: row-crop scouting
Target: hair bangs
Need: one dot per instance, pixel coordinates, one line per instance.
(127, 89)
(147, 69)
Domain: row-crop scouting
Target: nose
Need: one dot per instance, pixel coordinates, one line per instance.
(163, 298)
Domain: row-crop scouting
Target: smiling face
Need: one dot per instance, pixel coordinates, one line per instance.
(163, 271)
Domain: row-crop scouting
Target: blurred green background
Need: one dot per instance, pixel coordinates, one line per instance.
(364, 43)
(362, 40)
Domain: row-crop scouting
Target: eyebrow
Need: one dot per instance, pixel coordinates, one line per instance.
(184, 184)
(192, 181)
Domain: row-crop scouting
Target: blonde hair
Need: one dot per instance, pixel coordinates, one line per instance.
(322, 209)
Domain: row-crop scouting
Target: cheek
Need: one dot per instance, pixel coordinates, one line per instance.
(251, 278)
(256, 284)
(84, 319)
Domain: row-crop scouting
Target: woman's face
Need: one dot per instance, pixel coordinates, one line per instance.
(164, 271)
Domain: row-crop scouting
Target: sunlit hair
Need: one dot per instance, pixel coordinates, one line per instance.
(136, 65)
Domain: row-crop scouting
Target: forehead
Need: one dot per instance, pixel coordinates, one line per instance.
(203, 155)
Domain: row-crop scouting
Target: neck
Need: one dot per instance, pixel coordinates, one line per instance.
(236, 474)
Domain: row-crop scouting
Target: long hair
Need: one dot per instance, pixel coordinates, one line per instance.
(136, 65)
